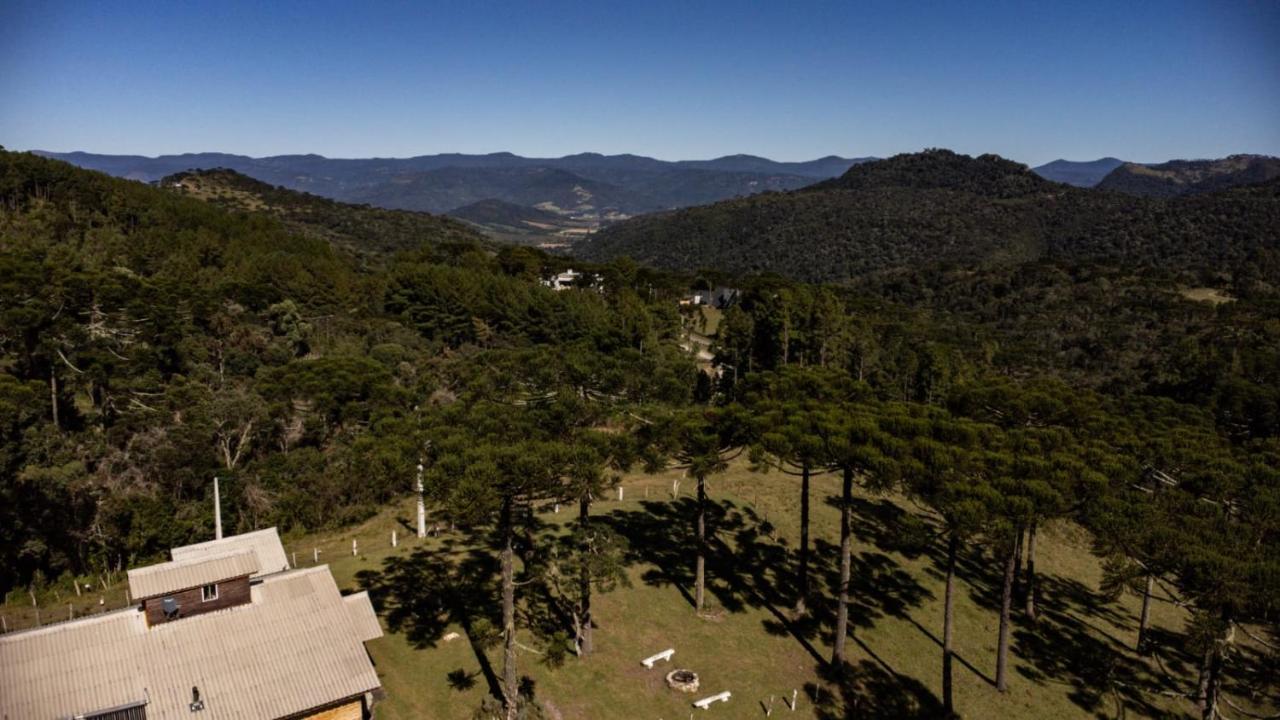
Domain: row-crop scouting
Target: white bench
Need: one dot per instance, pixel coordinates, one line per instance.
(705, 702)
(664, 655)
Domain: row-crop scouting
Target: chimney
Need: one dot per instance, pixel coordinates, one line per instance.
(217, 510)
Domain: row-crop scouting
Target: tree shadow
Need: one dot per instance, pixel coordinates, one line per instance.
(748, 569)
(420, 594)
(868, 691)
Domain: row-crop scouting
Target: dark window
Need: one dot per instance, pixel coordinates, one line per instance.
(209, 592)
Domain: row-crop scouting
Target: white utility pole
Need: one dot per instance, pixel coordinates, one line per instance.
(422, 505)
(217, 510)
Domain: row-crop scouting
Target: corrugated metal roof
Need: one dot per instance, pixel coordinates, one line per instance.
(363, 616)
(264, 543)
(171, 577)
(294, 647)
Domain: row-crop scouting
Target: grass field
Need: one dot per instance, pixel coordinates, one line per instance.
(1076, 662)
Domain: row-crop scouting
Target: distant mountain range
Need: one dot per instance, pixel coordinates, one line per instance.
(942, 208)
(555, 202)
(1081, 174)
(1189, 177)
(586, 186)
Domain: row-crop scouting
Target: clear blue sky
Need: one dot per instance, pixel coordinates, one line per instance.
(1033, 81)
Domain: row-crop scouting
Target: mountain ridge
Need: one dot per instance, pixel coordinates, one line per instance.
(626, 184)
(940, 207)
(1080, 173)
(1188, 177)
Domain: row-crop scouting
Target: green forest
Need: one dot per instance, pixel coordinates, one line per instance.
(1001, 351)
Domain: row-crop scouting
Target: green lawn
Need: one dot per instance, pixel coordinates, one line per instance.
(1074, 663)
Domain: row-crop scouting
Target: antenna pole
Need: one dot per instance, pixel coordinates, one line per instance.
(422, 505)
(217, 510)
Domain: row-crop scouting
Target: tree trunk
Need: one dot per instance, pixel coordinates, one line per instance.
(510, 676)
(1006, 606)
(53, 396)
(1017, 565)
(1211, 675)
(1145, 617)
(1030, 587)
(700, 573)
(803, 579)
(846, 563)
(948, 603)
(585, 645)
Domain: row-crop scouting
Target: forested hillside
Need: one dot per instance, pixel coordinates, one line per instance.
(943, 208)
(1191, 177)
(362, 229)
(151, 340)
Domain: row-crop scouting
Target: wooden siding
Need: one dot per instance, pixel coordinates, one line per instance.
(230, 593)
(349, 710)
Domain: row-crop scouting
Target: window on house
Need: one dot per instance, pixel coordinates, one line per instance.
(209, 592)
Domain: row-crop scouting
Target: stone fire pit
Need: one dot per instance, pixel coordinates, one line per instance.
(683, 680)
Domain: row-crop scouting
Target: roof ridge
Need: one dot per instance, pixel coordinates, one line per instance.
(187, 562)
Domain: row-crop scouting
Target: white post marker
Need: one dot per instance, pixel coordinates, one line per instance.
(705, 702)
(422, 504)
(393, 538)
(619, 493)
(315, 554)
(355, 549)
(664, 655)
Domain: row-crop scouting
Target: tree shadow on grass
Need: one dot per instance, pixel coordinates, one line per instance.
(420, 594)
(746, 568)
(868, 691)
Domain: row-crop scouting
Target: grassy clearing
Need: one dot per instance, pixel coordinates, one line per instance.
(1074, 664)
(749, 643)
(1213, 296)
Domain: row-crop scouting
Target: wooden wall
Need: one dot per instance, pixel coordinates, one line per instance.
(349, 709)
(230, 592)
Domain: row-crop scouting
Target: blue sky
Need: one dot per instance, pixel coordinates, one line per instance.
(788, 80)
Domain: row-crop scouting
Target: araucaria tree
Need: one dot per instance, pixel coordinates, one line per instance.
(702, 442)
(487, 470)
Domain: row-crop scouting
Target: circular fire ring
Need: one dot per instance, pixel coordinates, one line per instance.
(683, 680)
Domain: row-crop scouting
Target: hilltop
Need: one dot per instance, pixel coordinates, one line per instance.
(940, 207)
(1189, 177)
(938, 169)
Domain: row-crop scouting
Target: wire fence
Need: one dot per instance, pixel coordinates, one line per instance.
(28, 608)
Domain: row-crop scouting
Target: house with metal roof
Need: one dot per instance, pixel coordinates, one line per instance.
(211, 636)
(265, 544)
